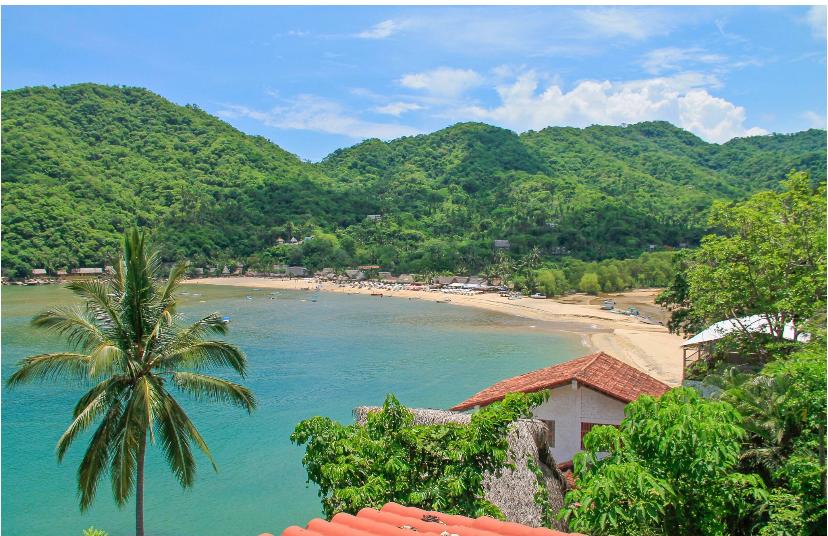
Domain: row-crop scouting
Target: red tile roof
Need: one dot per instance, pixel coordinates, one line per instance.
(600, 372)
(396, 520)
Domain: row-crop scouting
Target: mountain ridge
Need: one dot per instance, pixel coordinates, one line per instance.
(81, 162)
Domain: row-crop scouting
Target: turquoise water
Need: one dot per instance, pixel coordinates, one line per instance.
(306, 358)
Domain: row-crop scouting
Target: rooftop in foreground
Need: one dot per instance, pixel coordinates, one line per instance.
(396, 520)
(598, 371)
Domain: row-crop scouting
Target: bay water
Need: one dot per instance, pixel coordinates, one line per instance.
(306, 358)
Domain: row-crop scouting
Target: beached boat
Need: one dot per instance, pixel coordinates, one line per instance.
(538, 296)
(378, 294)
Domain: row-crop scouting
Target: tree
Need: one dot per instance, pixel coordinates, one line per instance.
(669, 468)
(768, 259)
(552, 282)
(589, 283)
(435, 467)
(134, 346)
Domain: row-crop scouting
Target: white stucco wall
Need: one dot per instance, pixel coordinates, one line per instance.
(569, 406)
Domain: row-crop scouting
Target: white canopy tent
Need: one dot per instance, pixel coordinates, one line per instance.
(753, 324)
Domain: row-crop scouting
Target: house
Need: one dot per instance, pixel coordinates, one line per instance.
(39, 271)
(280, 241)
(355, 275)
(297, 271)
(109, 269)
(87, 272)
(405, 279)
(396, 520)
(584, 392)
(502, 244)
(225, 270)
(443, 280)
(373, 217)
(198, 271)
(293, 241)
(326, 273)
(386, 276)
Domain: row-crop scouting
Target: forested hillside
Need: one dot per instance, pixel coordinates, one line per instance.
(81, 162)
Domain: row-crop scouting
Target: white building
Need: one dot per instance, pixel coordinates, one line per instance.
(584, 392)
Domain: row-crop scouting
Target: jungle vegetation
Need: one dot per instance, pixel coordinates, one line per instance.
(82, 163)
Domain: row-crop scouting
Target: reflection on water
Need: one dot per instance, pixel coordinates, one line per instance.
(306, 358)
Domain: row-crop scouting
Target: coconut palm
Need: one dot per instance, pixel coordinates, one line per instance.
(129, 341)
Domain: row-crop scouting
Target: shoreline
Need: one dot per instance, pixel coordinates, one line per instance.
(648, 347)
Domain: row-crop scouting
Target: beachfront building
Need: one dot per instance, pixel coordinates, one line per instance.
(297, 271)
(355, 275)
(86, 272)
(405, 279)
(502, 244)
(39, 272)
(584, 392)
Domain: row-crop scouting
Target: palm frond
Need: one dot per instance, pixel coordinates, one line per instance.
(188, 426)
(172, 431)
(216, 389)
(97, 454)
(203, 354)
(63, 365)
(131, 434)
(98, 295)
(89, 407)
(76, 324)
(103, 359)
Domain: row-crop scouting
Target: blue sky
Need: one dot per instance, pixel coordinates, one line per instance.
(313, 79)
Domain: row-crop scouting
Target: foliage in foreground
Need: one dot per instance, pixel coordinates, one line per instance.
(784, 416)
(671, 467)
(435, 467)
(130, 341)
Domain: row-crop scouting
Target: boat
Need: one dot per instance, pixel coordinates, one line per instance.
(447, 300)
(225, 320)
(379, 294)
(515, 297)
(538, 296)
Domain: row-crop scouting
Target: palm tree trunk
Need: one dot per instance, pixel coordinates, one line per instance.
(139, 490)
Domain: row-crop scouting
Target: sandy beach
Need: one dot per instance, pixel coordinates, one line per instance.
(648, 347)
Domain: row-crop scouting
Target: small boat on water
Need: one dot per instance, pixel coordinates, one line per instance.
(225, 320)
(378, 294)
(447, 300)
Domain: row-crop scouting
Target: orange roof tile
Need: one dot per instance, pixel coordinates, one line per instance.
(599, 371)
(397, 520)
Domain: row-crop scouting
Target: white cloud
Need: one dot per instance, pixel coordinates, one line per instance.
(683, 100)
(380, 30)
(623, 22)
(398, 108)
(814, 119)
(816, 19)
(309, 112)
(443, 81)
(674, 59)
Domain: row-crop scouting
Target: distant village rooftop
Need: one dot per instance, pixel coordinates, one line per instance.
(599, 371)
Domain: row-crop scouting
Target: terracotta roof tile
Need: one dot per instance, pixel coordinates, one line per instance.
(397, 520)
(598, 371)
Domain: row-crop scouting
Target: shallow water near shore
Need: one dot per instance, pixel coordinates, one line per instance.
(306, 358)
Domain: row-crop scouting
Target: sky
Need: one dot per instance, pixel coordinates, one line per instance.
(315, 79)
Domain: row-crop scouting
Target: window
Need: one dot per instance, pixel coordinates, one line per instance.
(550, 426)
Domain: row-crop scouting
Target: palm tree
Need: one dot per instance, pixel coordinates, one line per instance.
(129, 341)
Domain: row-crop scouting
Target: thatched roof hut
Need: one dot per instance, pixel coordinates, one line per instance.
(513, 491)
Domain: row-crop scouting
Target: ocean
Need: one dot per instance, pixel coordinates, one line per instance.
(306, 358)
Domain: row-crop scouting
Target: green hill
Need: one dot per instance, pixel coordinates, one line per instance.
(81, 162)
